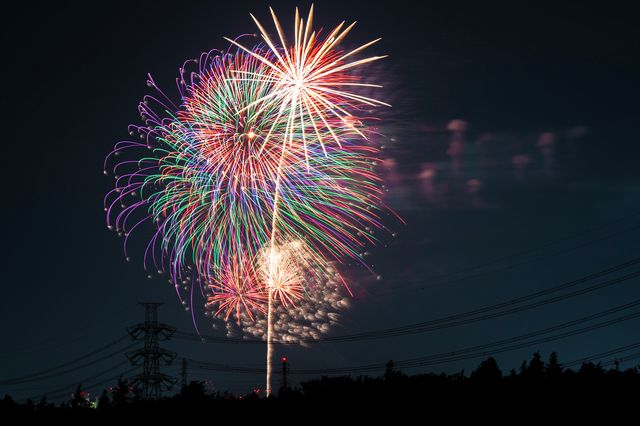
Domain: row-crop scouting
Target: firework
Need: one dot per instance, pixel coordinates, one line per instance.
(299, 317)
(311, 83)
(256, 182)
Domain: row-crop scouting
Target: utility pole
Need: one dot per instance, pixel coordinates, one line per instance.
(151, 331)
(184, 373)
(285, 374)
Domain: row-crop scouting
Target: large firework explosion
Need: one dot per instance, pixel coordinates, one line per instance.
(257, 181)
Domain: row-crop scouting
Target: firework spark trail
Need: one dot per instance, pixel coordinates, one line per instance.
(261, 174)
(309, 75)
(271, 283)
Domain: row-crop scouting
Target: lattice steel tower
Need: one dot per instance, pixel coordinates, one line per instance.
(151, 331)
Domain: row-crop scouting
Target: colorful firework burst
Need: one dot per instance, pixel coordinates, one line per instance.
(258, 178)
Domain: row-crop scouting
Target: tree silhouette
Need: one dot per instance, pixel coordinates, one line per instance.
(194, 392)
(535, 371)
(393, 386)
(553, 367)
(390, 373)
(103, 402)
(122, 393)
(487, 373)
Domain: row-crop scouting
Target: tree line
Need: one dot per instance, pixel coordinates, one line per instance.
(487, 380)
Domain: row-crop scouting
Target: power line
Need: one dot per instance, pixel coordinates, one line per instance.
(92, 385)
(66, 341)
(66, 364)
(621, 359)
(71, 370)
(463, 318)
(424, 327)
(439, 359)
(445, 322)
(461, 354)
(531, 343)
(546, 330)
(65, 388)
(603, 354)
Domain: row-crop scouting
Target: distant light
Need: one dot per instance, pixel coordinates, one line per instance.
(284, 359)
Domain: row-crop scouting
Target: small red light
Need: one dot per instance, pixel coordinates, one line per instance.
(284, 359)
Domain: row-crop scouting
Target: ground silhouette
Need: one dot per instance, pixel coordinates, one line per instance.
(537, 385)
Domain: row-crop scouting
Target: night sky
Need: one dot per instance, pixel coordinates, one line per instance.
(512, 156)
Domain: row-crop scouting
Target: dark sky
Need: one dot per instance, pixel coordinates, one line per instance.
(544, 178)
